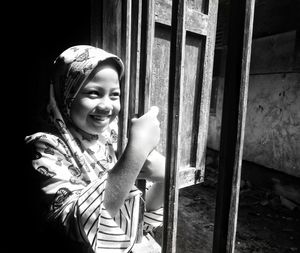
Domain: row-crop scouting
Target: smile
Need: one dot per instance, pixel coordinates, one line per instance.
(101, 117)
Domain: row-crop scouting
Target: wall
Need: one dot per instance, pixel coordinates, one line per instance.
(272, 134)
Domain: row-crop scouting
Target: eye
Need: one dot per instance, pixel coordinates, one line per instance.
(115, 94)
(93, 93)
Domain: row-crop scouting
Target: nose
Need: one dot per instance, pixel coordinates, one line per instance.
(105, 104)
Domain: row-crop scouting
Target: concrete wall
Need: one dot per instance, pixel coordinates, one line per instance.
(272, 134)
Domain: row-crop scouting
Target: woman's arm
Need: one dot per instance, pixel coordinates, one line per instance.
(144, 136)
(154, 168)
(155, 196)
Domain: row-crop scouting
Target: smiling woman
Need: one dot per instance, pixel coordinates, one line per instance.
(88, 196)
(98, 101)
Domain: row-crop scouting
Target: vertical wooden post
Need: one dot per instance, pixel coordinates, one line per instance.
(125, 82)
(175, 97)
(136, 17)
(111, 26)
(233, 124)
(206, 76)
(106, 25)
(147, 37)
(96, 23)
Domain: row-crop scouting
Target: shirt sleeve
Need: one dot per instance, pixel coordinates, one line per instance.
(72, 202)
(152, 219)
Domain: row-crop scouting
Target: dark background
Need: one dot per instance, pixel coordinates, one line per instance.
(36, 32)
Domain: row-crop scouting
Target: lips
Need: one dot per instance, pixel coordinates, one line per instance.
(100, 117)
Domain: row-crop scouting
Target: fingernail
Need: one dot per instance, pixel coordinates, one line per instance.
(155, 109)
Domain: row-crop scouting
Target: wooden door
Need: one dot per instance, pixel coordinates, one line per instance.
(168, 54)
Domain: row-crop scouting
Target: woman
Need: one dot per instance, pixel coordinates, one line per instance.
(88, 194)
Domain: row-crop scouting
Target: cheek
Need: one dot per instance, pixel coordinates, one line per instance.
(117, 107)
(79, 109)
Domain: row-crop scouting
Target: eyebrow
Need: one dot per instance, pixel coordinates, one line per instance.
(96, 87)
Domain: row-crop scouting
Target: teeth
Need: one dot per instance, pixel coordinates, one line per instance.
(100, 117)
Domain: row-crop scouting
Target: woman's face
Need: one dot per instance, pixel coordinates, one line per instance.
(98, 102)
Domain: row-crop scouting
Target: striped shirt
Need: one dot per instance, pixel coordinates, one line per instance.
(74, 196)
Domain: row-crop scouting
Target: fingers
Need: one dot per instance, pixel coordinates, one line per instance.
(154, 110)
(145, 130)
(152, 113)
(134, 118)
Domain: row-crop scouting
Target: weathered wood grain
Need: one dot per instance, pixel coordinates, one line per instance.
(145, 80)
(175, 99)
(233, 124)
(195, 21)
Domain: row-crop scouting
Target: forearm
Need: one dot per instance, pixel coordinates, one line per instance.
(122, 177)
(143, 138)
(155, 196)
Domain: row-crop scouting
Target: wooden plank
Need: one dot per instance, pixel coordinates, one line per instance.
(233, 124)
(96, 23)
(136, 17)
(204, 91)
(111, 26)
(172, 156)
(160, 77)
(106, 26)
(188, 176)
(190, 86)
(125, 82)
(112, 13)
(147, 37)
(196, 21)
(245, 71)
(200, 5)
(159, 90)
(196, 86)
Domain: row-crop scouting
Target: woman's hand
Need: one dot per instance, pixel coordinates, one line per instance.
(145, 131)
(144, 136)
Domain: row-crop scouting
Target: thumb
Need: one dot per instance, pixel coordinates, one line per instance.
(134, 120)
(154, 110)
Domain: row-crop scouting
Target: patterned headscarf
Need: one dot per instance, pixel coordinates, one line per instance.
(71, 70)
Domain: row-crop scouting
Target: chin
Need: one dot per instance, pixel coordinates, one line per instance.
(100, 129)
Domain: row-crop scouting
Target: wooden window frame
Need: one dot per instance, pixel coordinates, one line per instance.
(118, 17)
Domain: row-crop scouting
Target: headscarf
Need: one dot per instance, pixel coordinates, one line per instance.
(71, 70)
